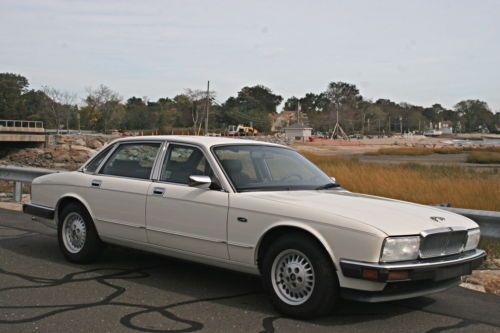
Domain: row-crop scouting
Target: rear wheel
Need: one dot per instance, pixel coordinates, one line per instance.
(300, 277)
(77, 236)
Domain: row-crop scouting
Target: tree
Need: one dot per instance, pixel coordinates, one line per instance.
(59, 104)
(291, 104)
(252, 105)
(101, 104)
(12, 86)
(476, 115)
(343, 97)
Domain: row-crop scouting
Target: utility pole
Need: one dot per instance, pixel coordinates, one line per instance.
(298, 113)
(207, 107)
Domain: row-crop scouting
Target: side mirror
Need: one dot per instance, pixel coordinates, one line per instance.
(333, 180)
(199, 181)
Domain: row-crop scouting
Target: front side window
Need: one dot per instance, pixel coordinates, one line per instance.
(134, 160)
(267, 168)
(182, 162)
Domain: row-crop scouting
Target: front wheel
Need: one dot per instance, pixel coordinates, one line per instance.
(300, 277)
(77, 236)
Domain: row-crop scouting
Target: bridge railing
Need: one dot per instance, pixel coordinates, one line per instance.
(489, 221)
(21, 123)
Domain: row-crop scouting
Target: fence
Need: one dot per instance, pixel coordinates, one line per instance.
(21, 123)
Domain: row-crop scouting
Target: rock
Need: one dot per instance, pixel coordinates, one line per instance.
(62, 157)
(80, 158)
(94, 143)
(79, 142)
(80, 148)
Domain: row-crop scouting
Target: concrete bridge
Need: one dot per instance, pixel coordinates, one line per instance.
(21, 131)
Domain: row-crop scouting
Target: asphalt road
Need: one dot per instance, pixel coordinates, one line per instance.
(129, 291)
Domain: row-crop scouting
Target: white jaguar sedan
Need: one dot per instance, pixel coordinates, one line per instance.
(258, 208)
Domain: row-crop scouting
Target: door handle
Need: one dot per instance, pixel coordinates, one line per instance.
(96, 183)
(158, 190)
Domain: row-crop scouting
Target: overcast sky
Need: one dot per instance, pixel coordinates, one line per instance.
(420, 52)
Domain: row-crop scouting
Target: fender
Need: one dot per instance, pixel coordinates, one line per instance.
(76, 197)
(299, 225)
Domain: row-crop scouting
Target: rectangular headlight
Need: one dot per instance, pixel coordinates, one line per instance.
(473, 236)
(400, 248)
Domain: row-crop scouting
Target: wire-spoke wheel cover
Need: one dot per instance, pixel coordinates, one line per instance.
(74, 232)
(292, 276)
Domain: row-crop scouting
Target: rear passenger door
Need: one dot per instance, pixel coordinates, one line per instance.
(117, 193)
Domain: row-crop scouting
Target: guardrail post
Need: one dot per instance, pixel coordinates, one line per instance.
(18, 191)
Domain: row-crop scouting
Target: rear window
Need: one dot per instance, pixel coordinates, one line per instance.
(94, 164)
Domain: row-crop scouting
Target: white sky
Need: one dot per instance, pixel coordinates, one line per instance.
(420, 52)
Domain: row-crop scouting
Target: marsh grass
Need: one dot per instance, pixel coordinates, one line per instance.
(491, 246)
(461, 187)
(416, 151)
(483, 157)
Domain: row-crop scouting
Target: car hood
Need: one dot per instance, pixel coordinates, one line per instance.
(393, 217)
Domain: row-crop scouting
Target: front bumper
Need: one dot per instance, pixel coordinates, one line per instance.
(37, 210)
(420, 277)
(436, 269)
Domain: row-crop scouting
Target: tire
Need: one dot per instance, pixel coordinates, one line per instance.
(77, 236)
(294, 257)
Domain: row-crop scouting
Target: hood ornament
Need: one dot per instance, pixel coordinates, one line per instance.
(437, 218)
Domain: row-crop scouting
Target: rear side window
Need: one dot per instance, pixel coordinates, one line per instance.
(134, 160)
(94, 164)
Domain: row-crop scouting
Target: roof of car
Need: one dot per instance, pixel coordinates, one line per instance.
(207, 141)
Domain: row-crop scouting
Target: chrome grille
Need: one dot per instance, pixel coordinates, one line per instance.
(443, 244)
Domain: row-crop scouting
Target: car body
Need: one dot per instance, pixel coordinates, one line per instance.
(142, 192)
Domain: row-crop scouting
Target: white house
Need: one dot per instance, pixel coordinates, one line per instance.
(298, 132)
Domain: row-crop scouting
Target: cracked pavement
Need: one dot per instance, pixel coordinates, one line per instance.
(133, 291)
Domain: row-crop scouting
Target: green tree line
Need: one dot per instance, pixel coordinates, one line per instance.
(103, 109)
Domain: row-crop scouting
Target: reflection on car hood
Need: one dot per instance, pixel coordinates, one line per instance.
(392, 217)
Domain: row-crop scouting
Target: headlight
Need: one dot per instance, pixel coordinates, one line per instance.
(472, 239)
(400, 248)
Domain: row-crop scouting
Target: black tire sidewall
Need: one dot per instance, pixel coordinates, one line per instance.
(92, 245)
(325, 292)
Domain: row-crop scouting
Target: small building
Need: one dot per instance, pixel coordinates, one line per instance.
(298, 132)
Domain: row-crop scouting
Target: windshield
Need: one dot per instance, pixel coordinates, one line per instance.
(267, 168)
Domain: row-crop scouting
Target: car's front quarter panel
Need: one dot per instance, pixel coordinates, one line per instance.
(340, 238)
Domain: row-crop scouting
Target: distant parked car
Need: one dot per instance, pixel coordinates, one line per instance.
(258, 208)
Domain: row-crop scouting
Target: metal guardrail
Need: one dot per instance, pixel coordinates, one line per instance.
(22, 175)
(489, 221)
(21, 123)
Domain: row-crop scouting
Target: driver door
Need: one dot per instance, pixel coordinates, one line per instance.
(187, 218)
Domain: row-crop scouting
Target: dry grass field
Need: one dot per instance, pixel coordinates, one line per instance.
(483, 157)
(461, 187)
(437, 150)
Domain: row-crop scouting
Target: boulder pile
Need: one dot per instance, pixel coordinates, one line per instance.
(62, 152)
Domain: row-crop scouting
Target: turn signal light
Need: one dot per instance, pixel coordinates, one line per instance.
(369, 274)
(398, 275)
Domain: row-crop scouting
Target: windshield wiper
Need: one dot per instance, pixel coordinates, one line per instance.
(264, 188)
(327, 186)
